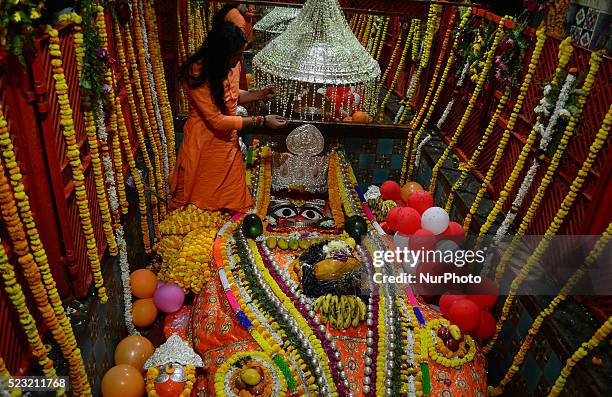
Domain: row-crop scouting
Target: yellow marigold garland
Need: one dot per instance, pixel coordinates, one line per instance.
(379, 40)
(332, 190)
(483, 141)
(182, 57)
(135, 117)
(15, 392)
(92, 140)
(398, 44)
(556, 223)
(73, 154)
(600, 335)
(565, 53)
(600, 245)
(398, 70)
(535, 57)
(265, 183)
(411, 153)
(18, 300)
(366, 33)
(468, 111)
(570, 129)
(433, 22)
(416, 41)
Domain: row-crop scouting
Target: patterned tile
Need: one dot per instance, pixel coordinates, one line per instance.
(379, 176)
(385, 146)
(552, 368)
(382, 161)
(531, 372)
(366, 161)
(524, 324)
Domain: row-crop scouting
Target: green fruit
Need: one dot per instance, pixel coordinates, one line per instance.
(271, 242)
(304, 244)
(283, 243)
(252, 227)
(294, 244)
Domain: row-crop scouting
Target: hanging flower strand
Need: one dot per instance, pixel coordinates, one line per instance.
(565, 53)
(600, 336)
(518, 105)
(466, 115)
(570, 130)
(73, 154)
(410, 153)
(555, 225)
(591, 258)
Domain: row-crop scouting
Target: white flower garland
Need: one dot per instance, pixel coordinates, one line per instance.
(546, 136)
(121, 245)
(463, 74)
(158, 117)
(447, 110)
(559, 107)
(417, 158)
(400, 111)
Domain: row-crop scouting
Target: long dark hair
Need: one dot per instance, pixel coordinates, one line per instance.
(219, 17)
(222, 42)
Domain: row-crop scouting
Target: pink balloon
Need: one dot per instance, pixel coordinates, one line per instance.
(169, 298)
(160, 284)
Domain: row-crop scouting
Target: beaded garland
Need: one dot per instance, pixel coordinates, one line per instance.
(472, 102)
(552, 306)
(73, 154)
(565, 52)
(518, 105)
(555, 225)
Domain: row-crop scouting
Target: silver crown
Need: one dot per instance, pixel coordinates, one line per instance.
(174, 350)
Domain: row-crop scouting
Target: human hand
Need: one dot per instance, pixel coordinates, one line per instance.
(267, 93)
(275, 122)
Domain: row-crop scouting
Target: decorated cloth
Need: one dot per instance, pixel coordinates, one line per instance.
(210, 171)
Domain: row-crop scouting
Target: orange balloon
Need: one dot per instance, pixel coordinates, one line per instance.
(169, 388)
(408, 189)
(123, 381)
(134, 350)
(143, 283)
(144, 312)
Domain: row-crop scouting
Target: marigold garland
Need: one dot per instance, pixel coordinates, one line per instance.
(416, 41)
(264, 183)
(73, 154)
(411, 153)
(399, 68)
(565, 52)
(600, 335)
(379, 40)
(131, 58)
(18, 300)
(468, 111)
(332, 190)
(518, 104)
(182, 57)
(570, 129)
(15, 392)
(597, 250)
(556, 223)
(433, 22)
(366, 33)
(92, 141)
(463, 356)
(398, 44)
(481, 144)
(17, 215)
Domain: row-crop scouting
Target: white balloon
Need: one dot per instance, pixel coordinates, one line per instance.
(435, 219)
(400, 240)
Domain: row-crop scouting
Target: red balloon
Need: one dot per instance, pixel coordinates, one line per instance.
(447, 300)
(466, 314)
(422, 239)
(390, 190)
(408, 221)
(484, 294)
(454, 232)
(486, 326)
(393, 218)
(420, 200)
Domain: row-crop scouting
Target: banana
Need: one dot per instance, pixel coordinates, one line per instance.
(356, 317)
(347, 319)
(317, 304)
(332, 321)
(362, 309)
(324, 317)
(339, 318)
(353, 303)
(333, 306)
(326, 303)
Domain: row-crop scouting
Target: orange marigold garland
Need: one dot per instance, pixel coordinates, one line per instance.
(333, 189)
(135, 117)
(18, 300)
(73, 154)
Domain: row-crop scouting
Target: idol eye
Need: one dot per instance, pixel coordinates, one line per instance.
(312, 214)
(285, 212)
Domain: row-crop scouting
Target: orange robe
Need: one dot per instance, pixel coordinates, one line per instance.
(234, 16)
(210, 171)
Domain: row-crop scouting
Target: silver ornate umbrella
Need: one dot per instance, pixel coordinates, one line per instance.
(319, 68)
(272, 24)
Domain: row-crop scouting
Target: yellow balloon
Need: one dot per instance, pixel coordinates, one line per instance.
(408, 189)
